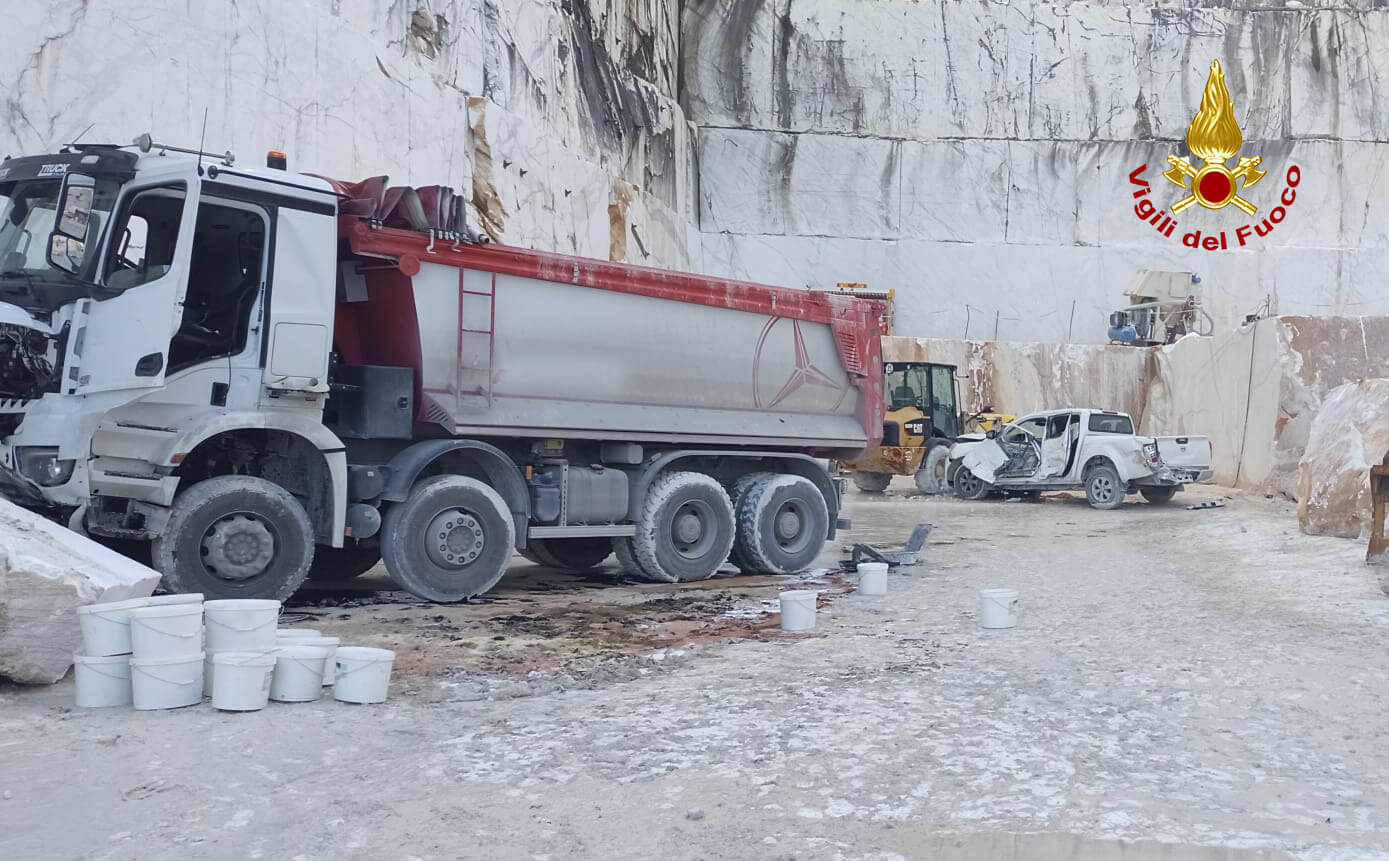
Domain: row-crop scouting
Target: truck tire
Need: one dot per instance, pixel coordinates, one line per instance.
(930, 477)
(970, 486)
(235, 536)
(782, 522)
(1159, 494)
(342, 563)
(736, 493)
(570, 554)
(450, 540)
(686, 528)
(871, 482)
(1103, 488)
(627, 561)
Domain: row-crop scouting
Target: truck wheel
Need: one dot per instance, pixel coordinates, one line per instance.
(871, 482)
(685, 531)
(570, 554)
(736, 494)
(627, 560)
(343, 563)
(1103, 489)
(930, 477)
(970, 486)
(450, 540)
(1160, 495)
(235, 536)
(782, 523)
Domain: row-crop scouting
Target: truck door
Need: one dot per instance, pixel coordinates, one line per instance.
(944, 413)
(122, 342)
(1056, 446)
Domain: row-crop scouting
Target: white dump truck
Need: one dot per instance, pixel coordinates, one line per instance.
(258, 371)
(1072, 449)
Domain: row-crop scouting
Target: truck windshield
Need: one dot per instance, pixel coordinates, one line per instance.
(27, 209)
(906, 385)
(1102, 423)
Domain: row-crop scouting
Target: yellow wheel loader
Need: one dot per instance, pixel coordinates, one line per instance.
(922, 421)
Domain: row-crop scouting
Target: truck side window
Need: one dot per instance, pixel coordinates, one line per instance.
(146, 236)
(224, 279)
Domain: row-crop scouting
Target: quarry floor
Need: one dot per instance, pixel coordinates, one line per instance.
(1181, 685)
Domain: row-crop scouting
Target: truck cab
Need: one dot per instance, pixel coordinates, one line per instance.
(166, 316)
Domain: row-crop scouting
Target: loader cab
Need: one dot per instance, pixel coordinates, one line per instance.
(922, 402)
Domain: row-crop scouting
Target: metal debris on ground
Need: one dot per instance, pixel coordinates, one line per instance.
(1210, 503)
(907, 554)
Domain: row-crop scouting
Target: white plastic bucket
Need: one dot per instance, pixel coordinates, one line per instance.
(102, 681)
(210, 668)
(106, 627)
(330, 662)
(872, 578)
(166, 683)
(363, 674)
(797, 610)
(166, 631)
(998, 608)
(297, 633)
(299, 671)
(185, 598)
(241, 624)
(241, 680)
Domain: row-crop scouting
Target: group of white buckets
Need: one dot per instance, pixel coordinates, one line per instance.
(170, 651)
(998, 607)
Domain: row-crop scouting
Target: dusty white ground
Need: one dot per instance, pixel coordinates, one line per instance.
(1211, 679)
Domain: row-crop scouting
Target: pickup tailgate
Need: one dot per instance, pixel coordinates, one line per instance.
(1185, 452)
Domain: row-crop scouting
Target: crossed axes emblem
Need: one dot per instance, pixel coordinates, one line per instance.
(1213, 186)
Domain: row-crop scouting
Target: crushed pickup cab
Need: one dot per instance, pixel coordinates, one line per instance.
(1078, 448)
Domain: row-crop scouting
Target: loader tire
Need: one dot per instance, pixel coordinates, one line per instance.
(783, 521)
(570, 554)
(872, 482)
(930, 477)
(450, 540)
(685, 530)
(342, 563)
(235, 536)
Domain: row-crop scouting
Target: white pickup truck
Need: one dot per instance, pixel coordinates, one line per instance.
(1077, 448)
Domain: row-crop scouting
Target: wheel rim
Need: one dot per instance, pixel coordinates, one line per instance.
(454, 538)
(938, 472)
(692, 529)
(968, 483)
(1101, 488)
(238, 546)
(789, 526)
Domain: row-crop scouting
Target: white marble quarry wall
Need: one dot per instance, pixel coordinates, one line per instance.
(975, 156)
(560, 118)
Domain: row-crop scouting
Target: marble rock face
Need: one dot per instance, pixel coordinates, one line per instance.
(1349, 434)
(46, 573)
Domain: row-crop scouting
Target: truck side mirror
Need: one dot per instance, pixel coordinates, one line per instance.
(67, 244)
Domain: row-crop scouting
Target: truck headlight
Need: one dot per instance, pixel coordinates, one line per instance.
(41, 465)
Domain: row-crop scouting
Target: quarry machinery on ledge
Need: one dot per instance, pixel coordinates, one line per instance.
(257, 371)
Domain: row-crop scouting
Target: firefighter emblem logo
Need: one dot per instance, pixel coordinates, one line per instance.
(1214, 137)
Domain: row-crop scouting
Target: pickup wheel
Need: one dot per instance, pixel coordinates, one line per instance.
(570, 554)
(782, 523)
(970, 486)
(1159, 495)
(235, 536)
(871, 482)
(342, 563)
(930, 477)
(1103, 488)
(686, 530)
(450, 540)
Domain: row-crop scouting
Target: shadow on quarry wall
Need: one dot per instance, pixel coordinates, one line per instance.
(1254, 391)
